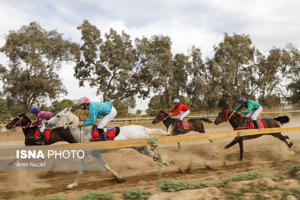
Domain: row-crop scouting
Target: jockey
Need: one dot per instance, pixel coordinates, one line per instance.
(182, 112)
(40, 115)
(253, 110)
(104, 109)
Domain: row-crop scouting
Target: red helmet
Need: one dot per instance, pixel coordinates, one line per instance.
(83, 100)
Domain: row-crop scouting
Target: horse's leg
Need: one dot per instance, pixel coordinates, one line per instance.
(234, 141)
(99, 157)
(83, 164)
(179, 147)
(241, 149)
(12, 162)
(147, 151)
(282, 138)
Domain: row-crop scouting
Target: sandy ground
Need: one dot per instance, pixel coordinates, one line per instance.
(266, 154)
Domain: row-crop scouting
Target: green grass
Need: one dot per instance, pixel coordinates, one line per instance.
(241, 177)
(51, 197)
(96, 195)
(172, 186)
(139, 194)
(295, 169)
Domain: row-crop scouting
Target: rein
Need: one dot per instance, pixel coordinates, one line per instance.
(62, 120)
(19, 122)
(162, 117)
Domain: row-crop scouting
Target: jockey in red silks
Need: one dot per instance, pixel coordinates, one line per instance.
(253, 110)
(182, 112)
(40, 115)
(104, 109)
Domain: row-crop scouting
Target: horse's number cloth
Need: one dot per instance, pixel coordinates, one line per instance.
(47, 134)
(185, 124)
(110, 132)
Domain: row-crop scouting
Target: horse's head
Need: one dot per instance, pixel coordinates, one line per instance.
(63, 118)
(224, 115)
(19, 121)
(160, 117)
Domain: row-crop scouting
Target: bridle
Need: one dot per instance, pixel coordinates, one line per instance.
(162, 117)
(227, 116)
(18, 123)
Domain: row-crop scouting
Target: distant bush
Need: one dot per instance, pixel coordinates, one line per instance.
(172, 186)
(139, 194)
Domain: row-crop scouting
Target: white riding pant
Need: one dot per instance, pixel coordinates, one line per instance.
(43, 127)
(254, 113)
(104, 120)
(183, 114)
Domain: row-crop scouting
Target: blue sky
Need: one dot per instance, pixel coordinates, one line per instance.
(190, 22)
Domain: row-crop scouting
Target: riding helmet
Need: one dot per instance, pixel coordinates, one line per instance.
(83, 100)
(242, 100)
(176, 101)
(34, 110)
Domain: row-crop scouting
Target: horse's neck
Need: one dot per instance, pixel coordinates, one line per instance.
(80, 133)
(237, 121)
(28, 131)
(169, 121)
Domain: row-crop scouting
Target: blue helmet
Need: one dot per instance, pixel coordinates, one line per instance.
(34, 110)
(176, 101)
(242, 100)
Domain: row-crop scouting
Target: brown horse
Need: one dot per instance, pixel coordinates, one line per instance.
(237, 121)
(58, 134)
(195, 124)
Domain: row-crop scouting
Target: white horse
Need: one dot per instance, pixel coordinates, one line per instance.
(65, 117)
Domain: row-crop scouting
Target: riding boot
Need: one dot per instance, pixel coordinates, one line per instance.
(42, 138)
(181, 126)
(255, 122)
(103, 135)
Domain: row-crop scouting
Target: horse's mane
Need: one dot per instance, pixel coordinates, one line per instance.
(23, 115)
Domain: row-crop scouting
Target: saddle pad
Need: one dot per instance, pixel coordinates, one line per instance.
(46, 132)
(261, 123)
(186, 125)
(110, 132)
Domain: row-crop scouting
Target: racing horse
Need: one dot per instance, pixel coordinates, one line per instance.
(22, 121)
(239, 122)
(195, 124)
(84, 133)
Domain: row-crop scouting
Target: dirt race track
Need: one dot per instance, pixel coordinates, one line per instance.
(196, 161)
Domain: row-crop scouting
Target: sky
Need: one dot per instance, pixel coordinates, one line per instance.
(201, 23)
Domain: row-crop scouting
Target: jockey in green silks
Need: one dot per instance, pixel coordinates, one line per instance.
(253, 110)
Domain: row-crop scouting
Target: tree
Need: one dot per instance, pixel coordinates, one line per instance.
(4, 112)
(35, 55)
(156, 68)
(65, 103)
(110, 66)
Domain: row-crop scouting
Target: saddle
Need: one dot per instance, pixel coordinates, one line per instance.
(185, 124)
(47, 134)
(111, 133)
(249, 124)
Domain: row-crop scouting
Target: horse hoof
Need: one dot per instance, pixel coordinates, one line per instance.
(240, 159)
(286, 137)
(71, 186)
(291, 144)
(120, 179)
(211, 141)
(171, 162)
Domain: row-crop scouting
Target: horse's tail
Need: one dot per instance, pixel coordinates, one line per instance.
(205, 119)
(282, 119)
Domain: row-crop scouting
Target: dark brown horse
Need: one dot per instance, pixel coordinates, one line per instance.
(237, 121)
(58, 134)
(195, 124)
